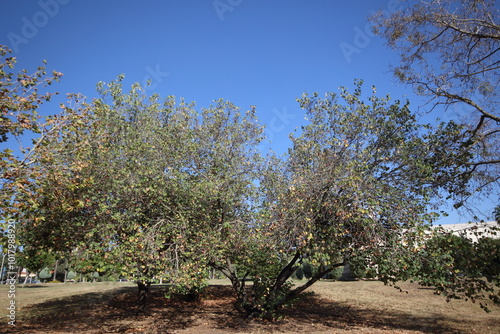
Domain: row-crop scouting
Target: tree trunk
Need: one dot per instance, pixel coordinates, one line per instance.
(26, 278)
(285, 274)
(295, 292)
(1, 269)
(242, 304)
(143, 289)
(55, 271)
(176, 259)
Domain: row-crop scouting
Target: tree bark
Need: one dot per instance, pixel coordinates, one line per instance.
(55, 271)
(238, 286)
(143, 289)
(295, 292)
(283, 276)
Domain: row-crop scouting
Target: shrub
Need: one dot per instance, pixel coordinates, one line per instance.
(299, 273)
(307, 270)
(71, 275)
(44, 274)
(336, 273)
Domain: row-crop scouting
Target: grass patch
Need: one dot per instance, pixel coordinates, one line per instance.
(333, 307)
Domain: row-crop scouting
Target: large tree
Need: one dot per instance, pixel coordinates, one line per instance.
(449, 52)
(144, 184)
(151, 187)
(355, 188)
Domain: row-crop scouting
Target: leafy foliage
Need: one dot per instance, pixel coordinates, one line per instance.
(34, 260)
(460, 268)
(45, 274)
(19, 100)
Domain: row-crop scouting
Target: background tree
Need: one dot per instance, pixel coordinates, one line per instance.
(44, 275)
(34, 260)
(299, 273)
(459, 268)
(449, 52)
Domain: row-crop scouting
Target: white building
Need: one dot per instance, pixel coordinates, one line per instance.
(474, 231)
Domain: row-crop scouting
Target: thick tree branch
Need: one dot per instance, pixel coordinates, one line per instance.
(295, 292)
(443, 93)
(490, 162)
(472, 34)
(286, 273)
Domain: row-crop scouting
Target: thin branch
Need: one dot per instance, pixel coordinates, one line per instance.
(490, 162)
(441, 92)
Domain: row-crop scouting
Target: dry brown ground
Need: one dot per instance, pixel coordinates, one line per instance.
(335, 307)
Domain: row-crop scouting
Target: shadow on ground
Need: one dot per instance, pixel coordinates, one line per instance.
(117, 311)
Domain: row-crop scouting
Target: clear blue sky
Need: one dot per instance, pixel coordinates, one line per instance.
(250, 52)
